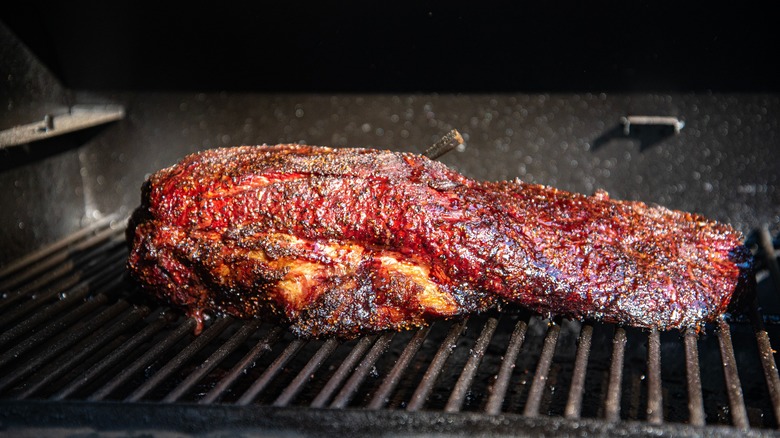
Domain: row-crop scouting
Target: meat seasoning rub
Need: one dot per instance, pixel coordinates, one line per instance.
(343, 242)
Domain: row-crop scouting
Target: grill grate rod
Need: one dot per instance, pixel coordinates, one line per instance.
(342, 372)
(577, 389)
(42, 253)
(498, 392)
(180, 359)
(52, 329)
(382, 395)
(345, 395)
(63, 341)
(470, 369)
(66, 274)
(655, 409)
(612, 403)
(307, 373)
(145, 359)
(434, 369)
(268, 375)
(78, 254)
(263, 345)
(766, 353)
(542, 370)
(81, 351)
(767, 360)
(54, 310)
(693, 376)
(57, 276)
(95, 284)
(215, 359)
(113, 358)
(733, 386)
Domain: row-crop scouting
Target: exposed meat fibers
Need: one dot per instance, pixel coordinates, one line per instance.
(350, 241)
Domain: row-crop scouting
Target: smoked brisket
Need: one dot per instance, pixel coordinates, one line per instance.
(351, 241)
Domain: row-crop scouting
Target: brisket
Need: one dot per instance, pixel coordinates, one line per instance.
(342, 242)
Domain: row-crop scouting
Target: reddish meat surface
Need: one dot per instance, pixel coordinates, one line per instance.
(350, 241)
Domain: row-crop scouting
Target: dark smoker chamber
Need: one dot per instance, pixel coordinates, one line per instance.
(655, 103)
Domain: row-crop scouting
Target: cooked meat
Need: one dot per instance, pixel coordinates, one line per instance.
(349, 241)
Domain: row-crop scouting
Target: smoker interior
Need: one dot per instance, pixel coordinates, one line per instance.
(82, 350)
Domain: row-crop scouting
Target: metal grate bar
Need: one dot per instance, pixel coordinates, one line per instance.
(767, 360)
(60, 285)
(82, 350)
(470, 369)
(180, 359)
(733, 386)
(215, 359)
(92, 268)
(63, 341)
(114, 357)
(574, 402)
(53, 328)
(693, 375)
(612, 404)
(145, 359)
(62, 259)
(263, 345)
(67, 257)
(42, 253)
(48, 313)
(382, 395)
(542, 371)
(765, 240)
(259, 385)
(352, 385)
(342, 372)
(67, 297)
(498, 393)
(42, 280)
(434, 369)
(655, 408)
(307, 373)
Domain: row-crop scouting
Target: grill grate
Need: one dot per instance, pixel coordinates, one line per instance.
(73, 328)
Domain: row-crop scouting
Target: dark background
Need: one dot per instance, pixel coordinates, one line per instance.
(403, 47)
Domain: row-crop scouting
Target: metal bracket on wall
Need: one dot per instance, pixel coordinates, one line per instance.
(674, 122)
(77, 118)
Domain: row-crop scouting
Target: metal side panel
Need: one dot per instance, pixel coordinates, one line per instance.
(721, 163)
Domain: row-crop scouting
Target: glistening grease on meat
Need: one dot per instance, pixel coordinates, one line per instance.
(342, 242)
